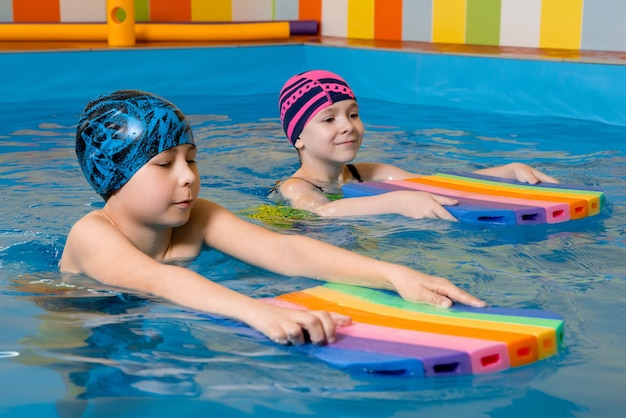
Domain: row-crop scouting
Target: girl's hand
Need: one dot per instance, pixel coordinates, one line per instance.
(520, 172)
(419, 205)
(527, 174)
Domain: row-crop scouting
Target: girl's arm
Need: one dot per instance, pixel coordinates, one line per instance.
(414, 204)
(519, 172)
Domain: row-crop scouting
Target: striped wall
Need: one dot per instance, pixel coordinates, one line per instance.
(568, 24)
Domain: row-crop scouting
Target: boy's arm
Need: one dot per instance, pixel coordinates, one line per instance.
(296, 255)
(100, 251)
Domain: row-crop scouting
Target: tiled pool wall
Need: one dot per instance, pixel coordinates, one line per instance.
(519, 86)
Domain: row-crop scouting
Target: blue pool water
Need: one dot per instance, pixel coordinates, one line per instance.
(72, 347)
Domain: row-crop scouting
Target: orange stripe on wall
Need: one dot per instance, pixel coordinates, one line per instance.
(310, 10)
(388, 20)
(48, 11)
(165, 11)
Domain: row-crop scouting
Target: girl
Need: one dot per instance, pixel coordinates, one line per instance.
(320, 116)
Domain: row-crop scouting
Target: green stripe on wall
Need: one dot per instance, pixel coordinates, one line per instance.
(142, 11)
(483, 22)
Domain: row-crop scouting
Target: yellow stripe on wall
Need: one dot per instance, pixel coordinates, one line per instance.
(211, 11)
(361, 19)
(449, 21)
(561, 24)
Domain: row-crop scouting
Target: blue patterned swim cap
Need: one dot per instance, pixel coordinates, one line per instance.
(120, 131)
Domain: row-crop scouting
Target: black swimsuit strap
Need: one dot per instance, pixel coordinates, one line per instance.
(279, 182)
(352, 168)
(354, 172)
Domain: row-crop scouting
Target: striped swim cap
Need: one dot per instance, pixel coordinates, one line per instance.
(119, 132)
(305, 95)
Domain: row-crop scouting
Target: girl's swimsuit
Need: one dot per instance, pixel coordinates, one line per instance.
(331, 196)
(281, 214)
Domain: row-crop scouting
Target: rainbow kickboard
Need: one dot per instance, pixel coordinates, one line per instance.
(492, 200)
(390, 335)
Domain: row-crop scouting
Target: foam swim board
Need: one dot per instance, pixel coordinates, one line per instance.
(591, 200)
(521, 348)
(594, 195)
(554, 212)
(508, 201)
(484, 356)
(468, 210)
(423, 340)
(577, 207)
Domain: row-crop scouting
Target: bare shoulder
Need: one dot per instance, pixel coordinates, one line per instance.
(295, 186)
(86, 233)
(382, 172)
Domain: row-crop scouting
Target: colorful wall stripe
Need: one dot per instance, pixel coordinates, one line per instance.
(310, 9)
(603, 25)
(286, 10)
(82, 11)
(251, 10)
(361, 19)
(160, 11)
(388, 20)
(334, 20)
(449, 21)
(483, 22)
(6, 11)
(213, 11)
(142, 10)
(561, 24)
(417, 20)
(36, 12)
(520, 23)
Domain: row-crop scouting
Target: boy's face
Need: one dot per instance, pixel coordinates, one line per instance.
(335, 133)
(164, 190)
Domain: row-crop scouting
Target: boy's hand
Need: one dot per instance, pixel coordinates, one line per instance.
(419, 287)
(298, 326)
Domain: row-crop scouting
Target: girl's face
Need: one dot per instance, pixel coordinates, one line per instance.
(334, 134)
(163, 191)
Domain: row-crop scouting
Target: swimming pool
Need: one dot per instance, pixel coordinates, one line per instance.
(84, 348)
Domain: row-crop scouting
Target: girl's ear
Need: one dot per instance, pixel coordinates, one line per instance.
(298, 144)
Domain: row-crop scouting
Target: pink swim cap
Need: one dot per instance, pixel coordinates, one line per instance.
(305, 95)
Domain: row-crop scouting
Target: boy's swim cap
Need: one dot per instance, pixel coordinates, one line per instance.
(305, 95)
(120, 131)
